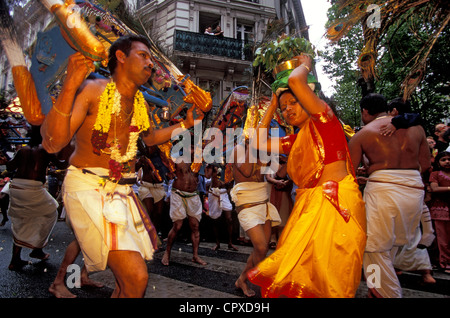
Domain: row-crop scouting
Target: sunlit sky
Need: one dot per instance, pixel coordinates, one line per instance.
(316, 16)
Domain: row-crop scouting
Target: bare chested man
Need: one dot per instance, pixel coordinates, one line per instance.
(251, 194)
(219, 203)
(184, 203)
(94, 189)
(33, 211)
(394, 192)
(151, 185)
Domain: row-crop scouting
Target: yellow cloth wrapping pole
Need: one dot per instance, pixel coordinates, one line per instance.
(26, 91)
(78, 35)
(196, 95)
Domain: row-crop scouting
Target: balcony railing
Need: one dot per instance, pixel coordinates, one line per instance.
(213, 45)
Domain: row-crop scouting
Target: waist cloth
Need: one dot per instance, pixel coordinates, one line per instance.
(33, 213)
(252, 204)
(320, 252)
(184, 204)
(151, 190)
(394, 201)
(106, 217)
(218, 201)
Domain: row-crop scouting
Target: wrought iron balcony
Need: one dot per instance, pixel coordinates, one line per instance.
(213, 45)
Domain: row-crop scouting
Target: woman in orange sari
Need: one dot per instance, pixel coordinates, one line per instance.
(319, 253)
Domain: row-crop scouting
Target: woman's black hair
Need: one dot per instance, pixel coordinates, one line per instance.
(438, 157)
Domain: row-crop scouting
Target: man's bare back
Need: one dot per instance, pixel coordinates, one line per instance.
(405, 149)
(31, 163)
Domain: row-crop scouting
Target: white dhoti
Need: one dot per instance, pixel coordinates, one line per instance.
(252, 204)
(411, 258)
(151, 190)
(106, 218)
(33, 213)
(184, 204)
(218, 201)
(394, 200)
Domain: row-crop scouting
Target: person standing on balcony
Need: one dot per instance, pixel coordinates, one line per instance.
(209, 31)
(218, 31)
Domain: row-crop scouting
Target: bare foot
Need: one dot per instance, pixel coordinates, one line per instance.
(232, 247)
(39, 254)
(198, 260)
(17, 265)
(373, 293)
(215, 248)
(428, 279)
(90, 283)
(60, 291)
(244, 287)
(165, 259)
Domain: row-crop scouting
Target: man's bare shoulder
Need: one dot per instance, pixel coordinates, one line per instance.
(94, 85)
(364, 133)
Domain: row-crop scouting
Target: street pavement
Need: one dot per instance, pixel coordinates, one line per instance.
(182, 279)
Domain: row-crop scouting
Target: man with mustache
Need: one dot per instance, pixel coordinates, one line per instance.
(107, 116)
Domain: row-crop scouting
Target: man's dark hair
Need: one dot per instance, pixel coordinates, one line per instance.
(374, 103)
(35, 136)
(124, 44)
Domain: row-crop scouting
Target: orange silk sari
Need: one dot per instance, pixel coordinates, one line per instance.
(319, 253)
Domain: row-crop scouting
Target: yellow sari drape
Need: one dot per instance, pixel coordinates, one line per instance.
(319, 253)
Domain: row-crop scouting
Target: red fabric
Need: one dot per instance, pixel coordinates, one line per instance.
(334, 144)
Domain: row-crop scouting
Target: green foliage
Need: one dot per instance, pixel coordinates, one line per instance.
(272, 53)
(396, 52)
(341, 65)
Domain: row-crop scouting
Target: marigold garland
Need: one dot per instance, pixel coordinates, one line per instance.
(110, 105)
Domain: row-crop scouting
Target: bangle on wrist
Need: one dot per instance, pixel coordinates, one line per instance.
(182, 124)
(306, 66)
(61, 113)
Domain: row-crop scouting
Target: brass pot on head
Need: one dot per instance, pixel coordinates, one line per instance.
(287, 65)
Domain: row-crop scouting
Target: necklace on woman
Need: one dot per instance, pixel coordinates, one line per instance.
(110, 105)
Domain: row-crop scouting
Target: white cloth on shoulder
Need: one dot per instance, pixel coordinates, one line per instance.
(251, 193)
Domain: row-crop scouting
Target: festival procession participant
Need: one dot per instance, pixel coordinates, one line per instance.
(185, 203)
(251, 194)
(107, 116)
(33, 211)
(394, 193)
(319, 253)
(151, 185)
(219, 203)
